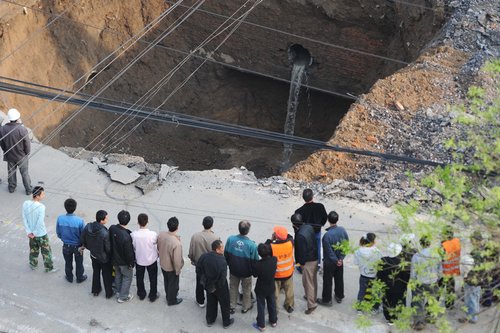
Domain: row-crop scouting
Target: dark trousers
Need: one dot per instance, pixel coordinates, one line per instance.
(390, 302)
(365, 293)
(332, 271)
(23, 169)
(200, 291)
(153, 280)
(219, 296)
(261, 309)
(70, 252)
(106, 269)
(171, 283)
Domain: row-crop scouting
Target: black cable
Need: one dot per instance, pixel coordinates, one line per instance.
(198, 122)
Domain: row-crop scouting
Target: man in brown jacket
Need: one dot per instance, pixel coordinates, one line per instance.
(16, 147)
(171, 261)
(201, 242)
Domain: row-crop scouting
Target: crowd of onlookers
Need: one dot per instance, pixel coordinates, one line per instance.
(225, 270)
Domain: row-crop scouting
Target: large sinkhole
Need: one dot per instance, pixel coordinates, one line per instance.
(344, 48)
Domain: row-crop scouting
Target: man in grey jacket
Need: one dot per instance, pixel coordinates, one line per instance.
(16, 147)
(201, 243)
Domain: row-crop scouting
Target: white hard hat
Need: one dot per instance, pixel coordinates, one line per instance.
(394, 249)
(13, 115)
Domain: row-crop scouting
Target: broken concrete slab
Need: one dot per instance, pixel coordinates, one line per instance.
(165, 171)
(120, 173)
(147, 183)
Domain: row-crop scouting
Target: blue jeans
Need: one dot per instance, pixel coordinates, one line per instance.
(471, 300)
(70, 251)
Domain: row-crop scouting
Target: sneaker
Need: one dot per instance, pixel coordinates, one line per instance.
(201, 305)
(390, 323)
(231, 321)
(232, 311)
(274, 324)
(257, 327)
(210, 324)
(83, 278)
(11, 190)
(310, 310)
(33, 267)
(53, 270)
(246, 310)
(320, 302)
(126, 299)
(338, 300)
(70, 280)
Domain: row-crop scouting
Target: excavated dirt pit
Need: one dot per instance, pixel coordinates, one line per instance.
(241, 84)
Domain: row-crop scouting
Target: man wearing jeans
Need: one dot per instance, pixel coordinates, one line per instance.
(146, 257)
(33, 218)
(313, 213)
(123, 256)
(15, 143)
(240, 252)
(69, 228)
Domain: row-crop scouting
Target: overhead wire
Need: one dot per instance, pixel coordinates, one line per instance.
(37, 32)
(242, 69)
(309, 39)
(217, 126)
(129, 43)
(132, 40)
(146, 98)
(169, 75)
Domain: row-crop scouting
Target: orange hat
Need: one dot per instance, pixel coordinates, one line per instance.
(280, 232)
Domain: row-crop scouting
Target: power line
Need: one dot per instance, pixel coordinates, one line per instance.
(238, 68)
(132, 40)
(207, 124)
(337, 46)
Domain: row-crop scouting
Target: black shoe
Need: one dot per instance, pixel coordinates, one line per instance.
(320, 301)
(142, 297)
(29, 192)
(231, 321)
(210, 324)
(154, 298)
(83, 278)
(177, 301)
(232, 310)
(310, 310)
(11, 190)
(96, 294)
(338, 299)
(69, 280)
(289, 309)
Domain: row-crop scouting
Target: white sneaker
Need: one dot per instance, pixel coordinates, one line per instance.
(53, 270)
(123, 300)
(201, 305)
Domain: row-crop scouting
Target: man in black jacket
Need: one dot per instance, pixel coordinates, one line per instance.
(306, 255)
(212, 269)
(95, 238)
(123, 256)
(16, 146)
(313, 213)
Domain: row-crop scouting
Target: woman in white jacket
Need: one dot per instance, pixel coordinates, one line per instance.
(367, 258)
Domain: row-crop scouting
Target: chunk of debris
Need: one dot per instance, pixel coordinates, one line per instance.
(165, 171)
(120, 173)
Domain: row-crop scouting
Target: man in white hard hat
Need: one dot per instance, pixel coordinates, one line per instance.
(16, 147)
